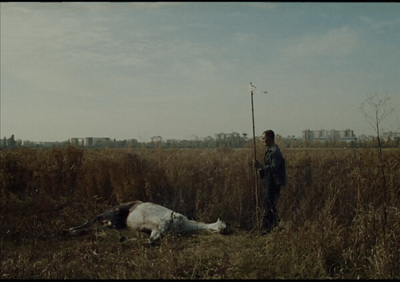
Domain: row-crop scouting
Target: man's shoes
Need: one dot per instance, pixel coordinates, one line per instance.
(265, 231)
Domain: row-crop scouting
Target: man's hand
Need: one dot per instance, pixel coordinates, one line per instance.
(257, 164)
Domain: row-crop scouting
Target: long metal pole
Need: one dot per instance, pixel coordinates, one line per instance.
(255, 158)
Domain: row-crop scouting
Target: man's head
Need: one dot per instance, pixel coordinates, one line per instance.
(268, 137)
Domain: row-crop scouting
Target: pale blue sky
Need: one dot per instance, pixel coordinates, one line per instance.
(180, 70)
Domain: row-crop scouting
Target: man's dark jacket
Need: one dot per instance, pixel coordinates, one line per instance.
(274, 170)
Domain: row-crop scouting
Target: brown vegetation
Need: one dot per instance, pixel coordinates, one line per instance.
(337, 223)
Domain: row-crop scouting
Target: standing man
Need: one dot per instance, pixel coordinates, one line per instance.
(273, 176)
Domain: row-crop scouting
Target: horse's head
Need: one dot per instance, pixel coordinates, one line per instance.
(223, 228)
(221, 225)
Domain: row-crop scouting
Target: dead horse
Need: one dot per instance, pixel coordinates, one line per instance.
(147, 216)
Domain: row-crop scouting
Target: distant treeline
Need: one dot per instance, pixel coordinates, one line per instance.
(221, 140)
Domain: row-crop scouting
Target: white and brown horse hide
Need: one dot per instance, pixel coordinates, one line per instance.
(147, 216)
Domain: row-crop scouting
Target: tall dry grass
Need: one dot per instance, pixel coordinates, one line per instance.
(336, 221)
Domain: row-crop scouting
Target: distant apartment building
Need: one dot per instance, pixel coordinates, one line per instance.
(390, 135)
(329, 135)
(89, 141)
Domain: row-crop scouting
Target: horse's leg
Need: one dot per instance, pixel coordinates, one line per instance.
(87, 225)
(110, 216)
(154, 236)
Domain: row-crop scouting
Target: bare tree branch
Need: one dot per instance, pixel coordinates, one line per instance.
(375, 110)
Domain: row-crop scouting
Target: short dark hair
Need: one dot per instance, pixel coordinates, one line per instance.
(270, 134)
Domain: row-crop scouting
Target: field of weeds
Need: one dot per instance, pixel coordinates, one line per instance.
(340, 214)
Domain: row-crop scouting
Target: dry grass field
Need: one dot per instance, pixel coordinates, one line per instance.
(340, 214)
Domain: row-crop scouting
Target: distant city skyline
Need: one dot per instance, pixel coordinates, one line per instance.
(324, 133)
(183, 69)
